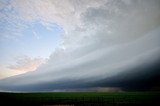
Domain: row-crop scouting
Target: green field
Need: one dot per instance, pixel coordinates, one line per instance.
(81, 98)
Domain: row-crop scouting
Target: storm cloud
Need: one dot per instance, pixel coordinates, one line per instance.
(102, 40)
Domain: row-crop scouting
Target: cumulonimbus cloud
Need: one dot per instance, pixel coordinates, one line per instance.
(102, 38)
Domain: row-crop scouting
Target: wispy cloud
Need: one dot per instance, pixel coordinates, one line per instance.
(22, 65)
(17, 15)
(36, 35)
(26, 64)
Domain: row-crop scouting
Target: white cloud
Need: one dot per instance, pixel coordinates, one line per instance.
(26, 64)
(65, 13)
(102, 37)
(36, 35)
(22, 65)
(47, 11)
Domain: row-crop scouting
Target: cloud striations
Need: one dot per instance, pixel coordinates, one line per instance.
(102, 38)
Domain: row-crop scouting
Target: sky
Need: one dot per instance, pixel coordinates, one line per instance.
(47, 45)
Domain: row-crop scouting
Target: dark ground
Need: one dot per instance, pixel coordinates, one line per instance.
(81, 99)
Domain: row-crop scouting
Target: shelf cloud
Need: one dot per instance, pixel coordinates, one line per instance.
(102, 39)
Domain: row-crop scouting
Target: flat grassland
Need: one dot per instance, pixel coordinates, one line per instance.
(81, 98)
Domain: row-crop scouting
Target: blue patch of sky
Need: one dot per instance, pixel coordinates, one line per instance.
(36, 40)
(39, 40)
